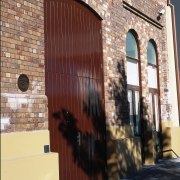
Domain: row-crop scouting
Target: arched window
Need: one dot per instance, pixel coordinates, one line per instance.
(131, 46)
(152, 65)
(151, 53)
(153, 84)
(132, 60)
(132, 57)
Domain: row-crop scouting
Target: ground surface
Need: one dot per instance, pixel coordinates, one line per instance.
(163, 170)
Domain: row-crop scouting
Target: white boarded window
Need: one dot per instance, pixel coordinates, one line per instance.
(132, 73)
(152, 77)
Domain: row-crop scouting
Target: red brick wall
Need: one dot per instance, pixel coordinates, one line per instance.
(22, 43)
(116, 23)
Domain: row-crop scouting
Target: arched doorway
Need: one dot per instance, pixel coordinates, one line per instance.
(74, 87)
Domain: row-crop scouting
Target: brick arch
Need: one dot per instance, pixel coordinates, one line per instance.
(134, 29)
(154, 44)
(157, 46)
(139, 36)
(91, 7)
(134, 32)
(136, 36)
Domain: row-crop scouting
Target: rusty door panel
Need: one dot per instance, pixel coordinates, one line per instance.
(74, 87)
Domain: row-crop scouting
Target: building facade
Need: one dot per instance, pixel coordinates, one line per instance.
(176, 28)
(88, 87)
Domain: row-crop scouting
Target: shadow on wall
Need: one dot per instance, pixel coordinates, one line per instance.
(89, 152)
(124, 156)
(146, 134)
(118, 93)
(123, 149)
(170, 142)
(125, 152)
(166, 142)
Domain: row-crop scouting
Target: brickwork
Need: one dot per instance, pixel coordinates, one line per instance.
(117, 21)
(22, 43)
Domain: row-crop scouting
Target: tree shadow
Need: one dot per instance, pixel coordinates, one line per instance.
(123, 157)
(165, 169)
(146, 134)
(118, 93)
(126, 152)
(123, 149)
(115, 142)
(88, 147)
(167, 149)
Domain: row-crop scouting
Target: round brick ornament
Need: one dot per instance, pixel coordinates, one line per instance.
(23, 82)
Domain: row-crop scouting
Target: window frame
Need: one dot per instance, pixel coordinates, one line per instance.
(134, 59)
(156, 91)
(135, 88)
(153, 44)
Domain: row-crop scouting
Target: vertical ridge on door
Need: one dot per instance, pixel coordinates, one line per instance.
(74, 87)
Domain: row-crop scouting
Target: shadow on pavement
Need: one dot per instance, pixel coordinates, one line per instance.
(166, 169)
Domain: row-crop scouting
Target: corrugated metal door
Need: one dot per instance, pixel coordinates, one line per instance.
(74, 87)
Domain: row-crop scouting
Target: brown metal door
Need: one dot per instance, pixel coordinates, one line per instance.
(74, 87)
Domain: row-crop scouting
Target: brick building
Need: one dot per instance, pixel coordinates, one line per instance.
(88, 88)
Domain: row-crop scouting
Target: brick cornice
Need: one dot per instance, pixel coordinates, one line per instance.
(141, 15)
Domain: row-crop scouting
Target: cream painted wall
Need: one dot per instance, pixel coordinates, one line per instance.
(171, 143)
(172, 72)
(21, 144)
(23, 157)
(175, 143)
(39, 167)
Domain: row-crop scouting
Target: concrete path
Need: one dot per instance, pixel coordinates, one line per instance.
(166, 169)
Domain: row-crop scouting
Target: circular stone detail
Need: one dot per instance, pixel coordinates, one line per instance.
(23, 82)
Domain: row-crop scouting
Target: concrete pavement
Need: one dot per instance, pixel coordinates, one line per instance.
(165, 169)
